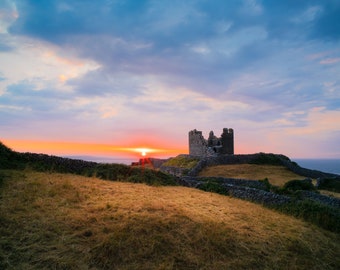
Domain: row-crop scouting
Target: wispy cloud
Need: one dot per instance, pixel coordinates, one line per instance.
(165, 67)
(329, 61)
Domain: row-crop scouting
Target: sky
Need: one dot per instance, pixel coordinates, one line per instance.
(105, 77)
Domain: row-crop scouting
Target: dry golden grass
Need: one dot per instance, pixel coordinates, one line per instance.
(56, 221)
(277, 175)
(330, 193)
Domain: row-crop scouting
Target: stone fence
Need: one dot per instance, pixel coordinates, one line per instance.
(256, 195)
(250, 190)
(323, 199)
(256, 191)
(176, 171)
(195, 181)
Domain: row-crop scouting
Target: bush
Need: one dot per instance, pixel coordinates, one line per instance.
(213, 186)
(151, 177)
(331, 184)
(324, 216)
(295, 185)
(268, 186)
(8, 158)
(292, 187)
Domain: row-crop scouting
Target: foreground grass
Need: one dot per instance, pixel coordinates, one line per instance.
(277, 175)
(58, 221)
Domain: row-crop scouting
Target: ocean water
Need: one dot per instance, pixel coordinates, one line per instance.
(324, 165)
(117, 160)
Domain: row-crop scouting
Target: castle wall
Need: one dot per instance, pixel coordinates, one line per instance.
(199, 146)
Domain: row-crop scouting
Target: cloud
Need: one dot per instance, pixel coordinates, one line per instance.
(319, 120)
(330, 61)
(315, 137)
(8, 15)
(327, 26)
(167, 66)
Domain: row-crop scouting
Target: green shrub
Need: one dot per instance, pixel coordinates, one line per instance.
(8, 158)
(292, 187)
(330, 184)
(151, 177)
(324, 216)
(213, 186)
(295, 185)
(268, 186)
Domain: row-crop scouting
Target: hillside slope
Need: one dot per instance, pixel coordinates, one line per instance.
(63, 221)
(277, 175)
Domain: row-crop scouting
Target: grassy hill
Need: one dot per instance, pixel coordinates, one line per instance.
(277, 175)
(67, 221)
(58, 213)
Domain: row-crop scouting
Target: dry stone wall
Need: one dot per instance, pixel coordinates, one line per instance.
(251, 190)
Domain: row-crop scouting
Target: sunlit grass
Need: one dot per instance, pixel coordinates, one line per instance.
(182, 161)
(277, 175)
(57, 221)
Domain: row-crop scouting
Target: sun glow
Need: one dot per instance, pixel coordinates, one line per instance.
(90, 149)
(144, 151)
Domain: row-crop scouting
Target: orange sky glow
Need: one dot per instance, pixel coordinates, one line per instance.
(91, 149)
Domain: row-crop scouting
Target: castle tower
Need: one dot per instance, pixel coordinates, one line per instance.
(197, 143)
(227, 139)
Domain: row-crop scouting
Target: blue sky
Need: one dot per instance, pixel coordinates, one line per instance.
(146, 72)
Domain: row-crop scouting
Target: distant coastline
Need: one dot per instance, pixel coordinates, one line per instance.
(118, 160)
(324, 165)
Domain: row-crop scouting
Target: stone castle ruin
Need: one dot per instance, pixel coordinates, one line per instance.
(213, 146)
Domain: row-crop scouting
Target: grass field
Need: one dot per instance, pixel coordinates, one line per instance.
(63, 221)
(277, 175)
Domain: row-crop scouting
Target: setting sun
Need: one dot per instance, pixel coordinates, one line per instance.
(144, 151)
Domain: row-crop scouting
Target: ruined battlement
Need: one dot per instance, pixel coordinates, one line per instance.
(213, 146)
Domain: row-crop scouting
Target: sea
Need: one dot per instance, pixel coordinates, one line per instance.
(117, 160)
(324, 165)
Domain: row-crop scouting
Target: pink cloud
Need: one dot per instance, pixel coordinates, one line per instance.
(329, 61)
